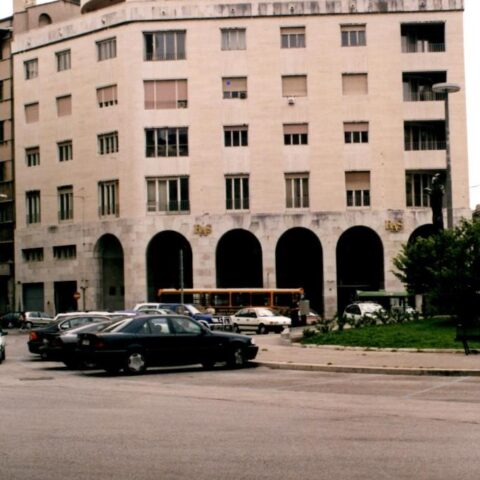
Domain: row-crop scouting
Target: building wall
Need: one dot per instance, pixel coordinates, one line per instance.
(266, 159)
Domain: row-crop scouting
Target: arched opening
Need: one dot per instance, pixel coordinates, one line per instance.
(360, 264)
(299, 263)
(424, 231)
(168, 255)
(109, 254)
(44, 19)
(239, 260)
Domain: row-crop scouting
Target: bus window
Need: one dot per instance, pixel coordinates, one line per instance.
(240, 299)
(261, 299)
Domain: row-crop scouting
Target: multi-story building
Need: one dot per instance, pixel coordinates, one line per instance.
(284, 144)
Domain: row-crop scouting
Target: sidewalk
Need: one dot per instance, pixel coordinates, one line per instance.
(277, 351)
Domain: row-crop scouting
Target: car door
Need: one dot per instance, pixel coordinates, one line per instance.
(191, 341)
(157, 338)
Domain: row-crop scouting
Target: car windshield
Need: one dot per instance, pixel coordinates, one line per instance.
(265, 312)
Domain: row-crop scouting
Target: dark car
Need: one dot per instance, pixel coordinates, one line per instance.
(3, 354)
(37, 335)
(10, 320)
(61, 346)
(166, 340)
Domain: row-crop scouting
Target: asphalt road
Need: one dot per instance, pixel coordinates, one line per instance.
(250, 424)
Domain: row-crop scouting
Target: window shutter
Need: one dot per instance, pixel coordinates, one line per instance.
(149, 90)
(355, 84)
(165, 94)
(294, 86)
(32, 113)
(355, 127)
(182, 93)
(295, 128)
(64, 106)
(357, 180)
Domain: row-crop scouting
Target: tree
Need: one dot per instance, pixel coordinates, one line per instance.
(446, 268)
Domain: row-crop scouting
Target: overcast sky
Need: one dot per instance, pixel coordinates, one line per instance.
(472, 69)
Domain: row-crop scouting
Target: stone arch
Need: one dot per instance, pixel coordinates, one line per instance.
(44, 19)
(423, 231)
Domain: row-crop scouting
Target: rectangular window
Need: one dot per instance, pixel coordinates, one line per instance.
(294, 86)
(32, 254)
(354, 83)
(234, 87)
(295, 134)
(417, 185)
(236, 136)
(31, 69)
(63, 60)
(32, 199)
(166, 142)
(32, 113)
(106, 49)
(292, 37)
(64, 105)
(107, 143)
(234, 39)
(2, 90)
(160, 94)
(358, 189)
(356, 132)
(2, 131)
(426, 135)
(65, 252)
(108, 200)
(166, 45)
(107, 96)
(423, 37)
(296, 186)
(65, 151)
(353, 35)
(168, 194)
(237, 192)
(65, 203)
(32, 156)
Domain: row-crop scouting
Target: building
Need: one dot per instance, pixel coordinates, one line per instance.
(282, 144)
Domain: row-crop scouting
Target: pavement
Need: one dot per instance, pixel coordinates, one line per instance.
(285, 352)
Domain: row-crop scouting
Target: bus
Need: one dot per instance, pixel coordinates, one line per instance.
(226, 301)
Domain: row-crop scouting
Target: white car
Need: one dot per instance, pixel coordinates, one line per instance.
(2, 345)
(259, 319)
(354, 313)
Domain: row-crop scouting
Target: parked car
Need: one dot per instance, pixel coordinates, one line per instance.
(10, 320)
(180, 308)
(163, 340)
(37, 319)
(61, 346)
(259, 319)
(354, 312)
(37, 335)
(3, 354)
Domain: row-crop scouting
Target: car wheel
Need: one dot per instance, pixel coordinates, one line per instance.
(262, 329)
(135, 363)
(236, 328)
(2, 356)
(71, 364)
(237, 357)
(208, 364)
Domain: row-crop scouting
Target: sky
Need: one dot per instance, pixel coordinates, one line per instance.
(472, 73)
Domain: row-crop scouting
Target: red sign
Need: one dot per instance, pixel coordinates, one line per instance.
(76, 295)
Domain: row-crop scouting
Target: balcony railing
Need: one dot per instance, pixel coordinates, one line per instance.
(423, 96)
(426, 145)
(420, 47)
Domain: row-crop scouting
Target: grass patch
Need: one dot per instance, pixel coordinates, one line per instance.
(427, 333)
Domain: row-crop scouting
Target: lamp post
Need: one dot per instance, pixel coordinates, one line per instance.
(446, 89)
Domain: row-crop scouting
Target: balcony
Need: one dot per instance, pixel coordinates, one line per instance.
(426, 135)
(417, 86)
(423, 37)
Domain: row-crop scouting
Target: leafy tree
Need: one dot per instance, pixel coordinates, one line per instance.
(445, 267)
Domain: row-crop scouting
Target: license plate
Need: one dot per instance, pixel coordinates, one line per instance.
(85, 341)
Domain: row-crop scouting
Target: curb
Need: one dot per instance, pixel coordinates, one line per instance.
(376, 370)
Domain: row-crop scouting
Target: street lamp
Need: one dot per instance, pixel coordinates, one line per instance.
(446, 89)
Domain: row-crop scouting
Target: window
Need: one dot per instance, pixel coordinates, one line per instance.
(161, 94)
(295, 134)
(32, 254)
(237, 192)
(168, 194)
(358, 189)
(63, 60)
(107, 143)
(417, 185)
(32, 113)
(423, 37)
(294, 86)
(233, 38)
(296, 186)
(427, 135)
(166, 142)
(65, 203)
(106, 49)
(234, 87)
(2, 90)
(33, 206)
(31, 69)
(64, 105)
(107, 96)
(32, 156)
(417, 86)
(236, 136)
(2, 131)
(65, 151)
(353, 35)
(356, 132)
(354, 83)
(6, 213)
(167, 45)
(292, 37)
(108, 198)
(65, 252)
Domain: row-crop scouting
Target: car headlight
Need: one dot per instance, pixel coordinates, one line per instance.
(252, 341)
